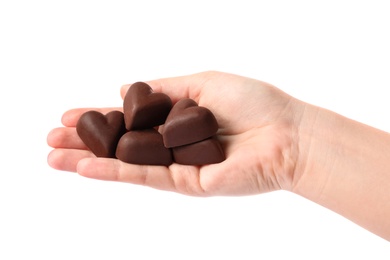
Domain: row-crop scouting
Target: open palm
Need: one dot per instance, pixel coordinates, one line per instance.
(257, 130)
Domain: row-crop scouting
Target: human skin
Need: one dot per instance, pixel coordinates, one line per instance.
(271, 140)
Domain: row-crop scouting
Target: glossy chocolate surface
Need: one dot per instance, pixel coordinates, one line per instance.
(143, 108)
(143, 147)
(188, 123)
(188, 134)
(204, 152)
(101, 133)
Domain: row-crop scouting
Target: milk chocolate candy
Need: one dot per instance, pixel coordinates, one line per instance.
(143, 108)
(200, 153)
(188, 123)
(101, 133)
(143, 147)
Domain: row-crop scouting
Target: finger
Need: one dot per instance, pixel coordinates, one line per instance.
(65, 137)
(177, 87)
(70, 117)
(116, 170)
(177, 178)
(67, 159)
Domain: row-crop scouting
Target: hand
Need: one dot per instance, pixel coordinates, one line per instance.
(257, 129)
(271, 141)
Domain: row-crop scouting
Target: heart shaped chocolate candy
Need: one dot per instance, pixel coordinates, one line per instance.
(188, 123)
(200, 153)
(101, 133)
(143, 108)
(143, 147)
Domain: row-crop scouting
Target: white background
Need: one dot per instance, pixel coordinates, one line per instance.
(57, 55)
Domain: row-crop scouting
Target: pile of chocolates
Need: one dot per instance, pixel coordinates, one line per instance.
(187, 134)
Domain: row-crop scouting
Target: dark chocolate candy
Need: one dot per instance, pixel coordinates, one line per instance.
(143, 147)
(101, 133)
(204, 152)
(143, 108)
(188, 123)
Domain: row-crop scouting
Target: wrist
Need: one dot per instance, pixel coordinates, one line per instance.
(318, 139)
(343, 165)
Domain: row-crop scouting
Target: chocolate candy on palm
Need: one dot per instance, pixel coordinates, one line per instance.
(188, 123)
(188, 135)
(101, 133)
(143, 108)
(143, 147)
(190, 132)
(207, 151)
